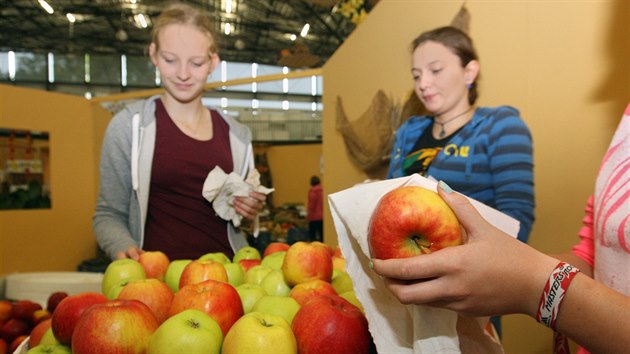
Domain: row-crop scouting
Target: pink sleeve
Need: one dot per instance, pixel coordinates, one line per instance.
(585, 249)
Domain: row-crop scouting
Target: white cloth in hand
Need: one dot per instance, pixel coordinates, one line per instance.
(220, 189)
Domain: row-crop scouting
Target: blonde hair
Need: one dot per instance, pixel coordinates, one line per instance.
(184, 14)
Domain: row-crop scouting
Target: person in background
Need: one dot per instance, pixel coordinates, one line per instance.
(158, 152)
(315, 210)
(590, 306)
(485, 153)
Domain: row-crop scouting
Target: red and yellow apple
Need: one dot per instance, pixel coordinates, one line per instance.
(154, 263)
(247, 264)
(6, 307)
(198, 271)
(117, 326)
(306, 261)
(152, 292)
(24, 310)
(410, 221)
(67, 313)
(329, 321)
(274, 247)
(304, 292)
(38, 332)
(218, 299)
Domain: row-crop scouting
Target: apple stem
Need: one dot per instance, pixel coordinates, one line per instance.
(424, 245)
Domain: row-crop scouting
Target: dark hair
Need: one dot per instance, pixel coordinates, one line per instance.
(459, 43)
(314, 180)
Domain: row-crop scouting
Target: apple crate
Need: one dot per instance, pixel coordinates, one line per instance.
(37, 286)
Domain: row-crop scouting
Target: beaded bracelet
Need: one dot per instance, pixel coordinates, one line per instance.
(554, 292)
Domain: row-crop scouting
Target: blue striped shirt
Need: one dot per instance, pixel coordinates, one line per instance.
(490, 160)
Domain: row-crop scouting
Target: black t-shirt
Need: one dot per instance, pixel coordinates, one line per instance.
(424, 151)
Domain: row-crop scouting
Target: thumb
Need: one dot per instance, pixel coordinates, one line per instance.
(466, 213)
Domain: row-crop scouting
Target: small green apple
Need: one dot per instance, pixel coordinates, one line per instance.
(274, 260)
(256, 274)
(249, 294)
(48, 338)
(120, 270)
(258, 332)
(216, 256)
(247, 252)
(283, 306)
(274, 283)
(342, 282)
(50, 349)
(174, 272)
(351, 296)
(236, 274)
(189, 331)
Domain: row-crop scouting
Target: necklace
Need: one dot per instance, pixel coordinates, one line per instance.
(442, 132)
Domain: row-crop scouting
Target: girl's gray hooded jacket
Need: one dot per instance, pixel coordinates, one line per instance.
(125, 176)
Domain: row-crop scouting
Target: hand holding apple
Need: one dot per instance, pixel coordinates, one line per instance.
(410, 221)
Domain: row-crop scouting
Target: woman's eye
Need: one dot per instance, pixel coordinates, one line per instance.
(436, 71)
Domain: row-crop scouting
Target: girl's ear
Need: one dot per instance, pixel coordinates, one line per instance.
(214, 58)
(153, 53)
(471, 70)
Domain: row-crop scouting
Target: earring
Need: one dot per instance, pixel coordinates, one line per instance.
(469, 85)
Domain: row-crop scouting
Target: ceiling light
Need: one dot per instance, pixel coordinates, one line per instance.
(293, 37)
(141, 20)
(46, 7)
(228, 6)
(305, 30)
(228, 28)
(71, 18)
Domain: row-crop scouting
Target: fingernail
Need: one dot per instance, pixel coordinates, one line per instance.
(371, 264)
(445, 187)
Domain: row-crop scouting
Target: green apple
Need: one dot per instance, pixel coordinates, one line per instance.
(283, 306)
(189, 331)
(120, 270)
(274, 260)
(274, 283)
(216, 256)
(351, 296)
(258, 332)
(48, 338)
(236, 274)
(174, 272)
(247, 252)
(256, 274)
(115, 289)
(50, 349)
(342, 283)
(249, 294)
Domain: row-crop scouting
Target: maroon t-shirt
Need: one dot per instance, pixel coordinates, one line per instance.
(180, 221)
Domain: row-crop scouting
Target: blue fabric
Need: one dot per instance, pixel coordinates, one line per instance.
(490, 159)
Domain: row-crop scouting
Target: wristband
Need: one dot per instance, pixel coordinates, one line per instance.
(554, 292)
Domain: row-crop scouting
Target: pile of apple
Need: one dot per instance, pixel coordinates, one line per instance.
(290, 299)
(23, 318)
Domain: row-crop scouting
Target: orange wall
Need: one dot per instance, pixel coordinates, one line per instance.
(563, 64)
(291, 169)
(55, 239)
